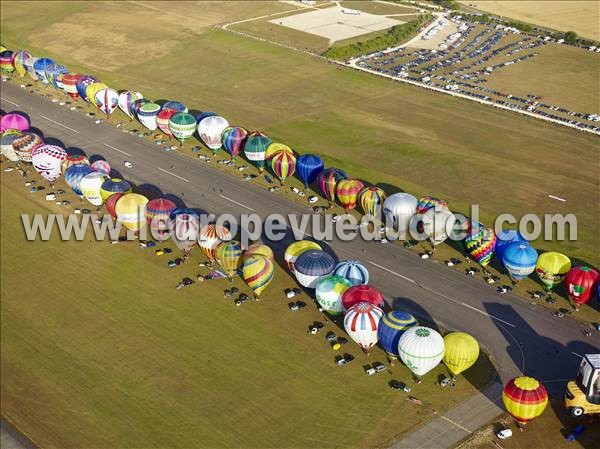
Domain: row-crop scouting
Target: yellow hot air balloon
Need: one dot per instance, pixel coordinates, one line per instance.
(462, 351)
(258, 272)
(229, 255)
(275, 148)
(294, 251)
(131, 211)
(552, 267)
(260, 249)
(525, 399)
(92, 89)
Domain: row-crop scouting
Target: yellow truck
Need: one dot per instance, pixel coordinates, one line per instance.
(583, 394)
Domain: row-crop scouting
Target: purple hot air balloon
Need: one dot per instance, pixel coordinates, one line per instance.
(14, 120)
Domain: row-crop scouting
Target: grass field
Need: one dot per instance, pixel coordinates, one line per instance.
(583, 17)
(101, 351)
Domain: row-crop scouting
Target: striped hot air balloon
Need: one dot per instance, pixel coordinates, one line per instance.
(158, 212)
(19, 59)
(347, 191)
(69, 83)
(233, 139)
(275, 148)
(131, 211)
(327, 181)
(429, 202)
(504, 239)
(308, 167)
(283, 165)
(162, 120)
(580, 283)
(371, 200)
(256, 147)
(6, 61)
(107, 100)
(519, 260)
(294, 250)
(147, 115)
(311, 265)
(258, 272)
(101, 166)
(74, 174)
(136, 105)
(525, 399)
(113, 186)
(47, 159)
(229, 256)
(421, 349)
(329, 290)
(461, 352)
(362, 293)
(361, 323)
(111, 203)
(175, 106)
(185, 230)
(210, 237)
(73, 159)
(391, 327)
(480, 243)
(92, 89)
(182, 126)
(126, 100)
(260, 249)
(82, 84)
(210, 130)
(25, 144)
(353, 270)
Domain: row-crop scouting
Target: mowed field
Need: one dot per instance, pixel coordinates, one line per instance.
(583, 17)
(100, 350)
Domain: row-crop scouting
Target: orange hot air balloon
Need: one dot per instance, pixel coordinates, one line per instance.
(347, 191)
(525, 399)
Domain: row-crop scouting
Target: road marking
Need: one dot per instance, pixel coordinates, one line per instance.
(557, 198)
(392, 272)
(116, 149)
(578, 355)
(60, 124)
(487, 314)
(235, 202)
(173, 174)
(8, 101)
(445, 418)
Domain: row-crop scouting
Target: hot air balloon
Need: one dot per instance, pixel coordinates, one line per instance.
(47, 159)
(525, 399)
(371, 200)
(111, 204)
(283, 165)
(101, 166)
(421, 349)
(182, 126)
(275, 148)
(107, 100)
(15, 121)
(261, 249)
(233, 139)
(462, 351)
(203, 114)
(436, 223)
(329, 290)
(294, 250)
(29, 63)
(24, 145)
(519, 259)
(6, 61)
(73, 159)
(580, 283)
(210, 130)
(391, 327)
(429, 202)
(552, 267)
(74, 174)
(347, 191)
(480, 243)
(162, 120)
(114, 185)
(6, 144)
(126, 100)
(131, 211)
(327, 181)
(362, 293)
(53, 72)
(147, 113)
(229, 256)
(19, 59)
(136, 105)
(175, 106)
(69, 83)
(210, 237)
(92, 89)
(82, 84)
(40, 67)
(505, 238)
(158, 212)
(185, 229)
(361, 323)
(90, 186)
(311, 265)
(255, 148)
(398, 210)
(353, 270)
(258, 272)
(308, 167)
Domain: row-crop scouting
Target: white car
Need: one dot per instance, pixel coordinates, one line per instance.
(301, 193)
(128, 164)
(312, 199)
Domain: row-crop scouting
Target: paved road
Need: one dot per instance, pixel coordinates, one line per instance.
(522, 338)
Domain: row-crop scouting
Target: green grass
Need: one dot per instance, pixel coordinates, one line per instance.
(101, 351)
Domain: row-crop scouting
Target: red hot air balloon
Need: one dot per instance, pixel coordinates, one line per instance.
(111, 204)
(580, 283)
(362, 293)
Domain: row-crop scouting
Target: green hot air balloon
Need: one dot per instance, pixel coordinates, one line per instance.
(182, 126)
(256, 147)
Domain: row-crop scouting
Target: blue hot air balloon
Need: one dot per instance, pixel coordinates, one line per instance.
(520, 259)
(353, 270)
(82, 84)
(175, 105)
(505, 238)
(53, 72)
(391, 327)
(311, 265)
(203, 115)
(308, 167)
(40, 66)
(74, 175)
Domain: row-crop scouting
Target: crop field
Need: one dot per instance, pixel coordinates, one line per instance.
(104, 352)
(583, 17)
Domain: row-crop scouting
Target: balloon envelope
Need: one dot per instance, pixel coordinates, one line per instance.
(107, 100)
(82, 84)
(90, 186)
(147, 113)
(308, 167)
(361, 323)
(371, 200)
(429, 202)
(327, 181)
(275, 148)
(421, 349)
(14, 121)
(480, 243)
(505, 238)
(391, 327)
(256, 147)
(126, 100)
(114, 185)
(294, 250)
(519, 259)
(210, 237)
(261, 249)
(69, 84)
(229, 256)
(6, 61)
(6, 144)
(580, 283)
(524, 398)
(329, 290)
(311, 265)
(398, 209)
(19, 59)
(362, 293)
(40, 66)
(258, 271)
(210, 130)
(353, 270)
(182, 125)
(74, 174)
(436, 223)
(283, 165)
(47, 159)
(461, 352)
(552, 268)
(101, 166)
(162, 120)
(73, 159)
(175, 106)
(131, 210)
(347, 191)
(158, 212)
(25, 144)
(111, 203)
(185, 230)
(233, 139)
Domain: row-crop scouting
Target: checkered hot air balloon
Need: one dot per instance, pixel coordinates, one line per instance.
(210, 130)
(580, 283)
(429, 202)
(296, 249)
(525, 399)
(361, 323)
(210, 237)
(233, 139)
(47, 159)
(327, 181)
(353, 270)
(347, 191)
(158, 212)
(24, 145)
(362, 293)
(82, 84)
(182, 126)
(371, 200)
(229, 256)
(258, 271)
(256, 147)
(283, 165)
(69, 83)
(329, 290)
(480, 243)
(391, 327)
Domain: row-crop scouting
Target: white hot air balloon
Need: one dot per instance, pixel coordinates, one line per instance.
(210, 130)
(90, 186)
(361, 323)
(437, 224)
(398, 209)
(126, 99)
(421, 349)
(107, 100)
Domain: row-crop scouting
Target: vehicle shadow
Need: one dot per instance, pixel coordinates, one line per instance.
(589, 437)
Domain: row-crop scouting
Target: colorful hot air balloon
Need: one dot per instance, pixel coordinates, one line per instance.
(90, 186)
(361, 323)
(210, 237)
(126, 100)
(107, 100)
(436, 223)
(353, 270)
(552, 267)
(147, 113)
(29, 63)
(6, 61)
(233, 139)
(53, 72)
(229, 256)
(6, 144)
(329, 290)
(258, 272)
(162, 120)
(283, 165)
(255, 148)
(261, 249)
(101, 166)
(182, 126)
(421, 349)
(371, 200)
(391, 327)
(19, 59)
(92, 89)
(158, 212)
(294, 250)
(69, 83)
(210, 130)
(327, 181)
(480, 243)
(520, 260)
(398, 210)
(362, 293)
(112, 186)
(131, 211)
(275, 148)
(111, 204)
(47, 159)
(308, 167)
(24, 145)
(73, 159)
(185, 229)
(74, 174)
(136, 105)
(461, 352)
(429, 202)
(525, 399)
(82, 84)
(347, 191)
(40, 67)
(14, 120)
(175, 106)
(311, 265)
(580, 283)
(505, 238)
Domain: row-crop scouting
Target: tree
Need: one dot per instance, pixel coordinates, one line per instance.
(570, 37)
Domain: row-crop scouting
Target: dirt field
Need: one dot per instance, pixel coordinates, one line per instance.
(583, 17)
